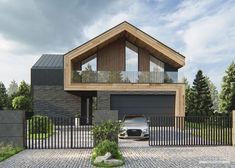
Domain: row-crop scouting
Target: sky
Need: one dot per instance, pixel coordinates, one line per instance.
(203, 31)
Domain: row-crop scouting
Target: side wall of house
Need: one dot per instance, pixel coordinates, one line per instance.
(49, 97)
(54, 101)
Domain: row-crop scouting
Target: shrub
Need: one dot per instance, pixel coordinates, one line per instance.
(104, 147)
(7, 150)
(22, 103)
(106, 131)
(40, 124)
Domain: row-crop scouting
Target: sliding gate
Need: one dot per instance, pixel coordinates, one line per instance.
(57, 133)
(196, 130)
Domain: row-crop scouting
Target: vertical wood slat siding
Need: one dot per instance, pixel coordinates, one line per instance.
(111, 57)
(143, 60)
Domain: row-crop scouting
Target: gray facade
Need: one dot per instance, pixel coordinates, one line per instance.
(54, 101)
(11, 128)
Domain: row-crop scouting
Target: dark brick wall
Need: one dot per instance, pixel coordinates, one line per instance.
(54, 101)
(103, 97)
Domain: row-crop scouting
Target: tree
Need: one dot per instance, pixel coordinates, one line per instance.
(13, 88)
(24, 89)
(23, 98)
(227, 91)
(3, 96)
(188, 97)
(22, 103)
(201, 98)
(214, 95)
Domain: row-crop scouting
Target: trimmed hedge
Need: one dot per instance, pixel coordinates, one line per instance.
(40, 124)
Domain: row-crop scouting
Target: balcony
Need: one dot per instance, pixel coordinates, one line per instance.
(123, 77)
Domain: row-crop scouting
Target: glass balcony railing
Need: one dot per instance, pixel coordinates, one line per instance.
(123, 77)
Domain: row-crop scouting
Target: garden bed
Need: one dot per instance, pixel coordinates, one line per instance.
(7, 151)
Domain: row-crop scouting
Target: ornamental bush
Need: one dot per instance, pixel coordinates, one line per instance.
(40, 124)
(106, 146)
(106, 131)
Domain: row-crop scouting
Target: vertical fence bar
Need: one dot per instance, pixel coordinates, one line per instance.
(32, 133)
(168, 130)
(35, 134)
(25, 133)
(80, 138)
(68, 137)
(221, 129)
(149, 125)
(160, 130)
(164, 131)
(184, 130)
(231, 126)
(174, 129)
(64, 132)
(153, 127)
(61, 132)
(47, 133)
(52, 137)
(42, 133)
(216, 130)
(57, 133)
(71, 135)
(29, 133)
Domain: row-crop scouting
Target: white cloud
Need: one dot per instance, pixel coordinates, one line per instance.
(14, 66)
(209, 38)
(103, 24)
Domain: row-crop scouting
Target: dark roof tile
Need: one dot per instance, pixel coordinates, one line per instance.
(50, 61)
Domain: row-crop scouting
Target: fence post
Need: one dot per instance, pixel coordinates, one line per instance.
(233, 128)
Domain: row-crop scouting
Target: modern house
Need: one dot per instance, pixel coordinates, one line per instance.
(122, 71)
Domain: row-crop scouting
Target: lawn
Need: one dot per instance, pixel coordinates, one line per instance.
(217, 133)
(7, 151)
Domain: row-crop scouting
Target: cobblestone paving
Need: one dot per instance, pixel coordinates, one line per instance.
(137, 154)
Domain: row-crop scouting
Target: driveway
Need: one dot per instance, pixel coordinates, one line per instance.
(136, 153)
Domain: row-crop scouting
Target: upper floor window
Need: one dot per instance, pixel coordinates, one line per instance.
(156, 65)
(131, 52)
(90, 63)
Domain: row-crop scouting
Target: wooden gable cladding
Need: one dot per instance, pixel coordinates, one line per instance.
(143, 60)
(105, 45)
(112, 56)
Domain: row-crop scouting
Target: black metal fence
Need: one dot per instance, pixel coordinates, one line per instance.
(57, 133)
(190, 130)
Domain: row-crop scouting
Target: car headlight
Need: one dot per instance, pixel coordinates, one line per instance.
(145, 130)
(122, 130)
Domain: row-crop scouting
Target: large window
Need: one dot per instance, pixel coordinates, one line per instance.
(156, 65)
(90, 63)
(131, 57)
(156, 70)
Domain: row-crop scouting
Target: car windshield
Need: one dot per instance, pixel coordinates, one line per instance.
(130, 119)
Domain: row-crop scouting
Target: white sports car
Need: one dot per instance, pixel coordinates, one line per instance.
(134, 127)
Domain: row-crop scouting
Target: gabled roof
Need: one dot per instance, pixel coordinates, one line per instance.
(167, 53)
(50, 61)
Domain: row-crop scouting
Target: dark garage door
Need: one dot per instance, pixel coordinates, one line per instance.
(150, 105)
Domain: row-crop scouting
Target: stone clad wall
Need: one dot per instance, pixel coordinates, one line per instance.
(54, 101)
(12, 128)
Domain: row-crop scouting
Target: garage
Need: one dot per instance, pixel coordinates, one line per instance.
(149, 105)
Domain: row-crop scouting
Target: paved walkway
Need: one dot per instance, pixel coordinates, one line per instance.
(137, 154)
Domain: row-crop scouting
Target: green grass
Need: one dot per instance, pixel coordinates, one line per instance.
(7, 151)
(39, 136)
(209, 132)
